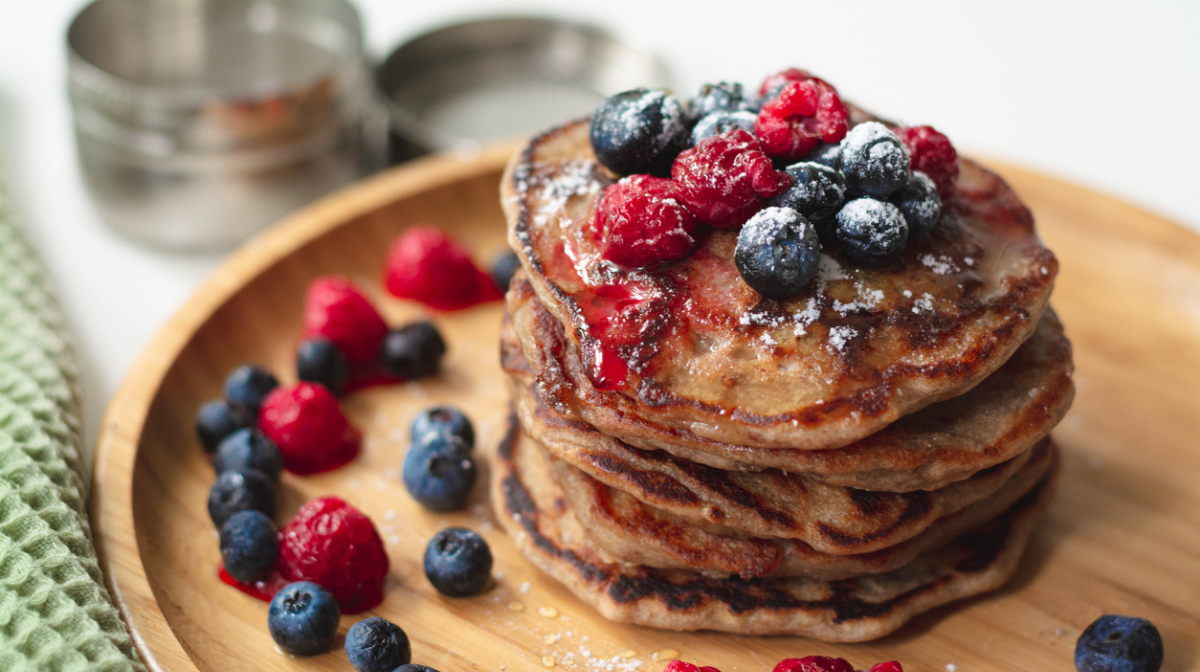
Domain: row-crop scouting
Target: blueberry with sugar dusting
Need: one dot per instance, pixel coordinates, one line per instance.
(319, 361)
(871, 233)
(719, 97)
(442, 420)
(458, 562)
(218, 419)
(413, 351)
(777, 252)
(377, 645)
(1115, 643)
(719, 122)
(874, 161)
(817, 192)
(249, 449)
(413, 667)
(640, 131)
(920, 203)
(303, 618)
(504, 267)
(249, 545)
(826, 155)
(245, 490)
(247, 386)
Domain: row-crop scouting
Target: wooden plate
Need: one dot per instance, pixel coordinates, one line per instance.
(1123, 535)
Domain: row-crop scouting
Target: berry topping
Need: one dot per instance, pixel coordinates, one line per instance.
(641, 223)
(874, 161)
(335, 546)
(920, 203)
(307, 424)
(247, 385)
(429, 266)
(804, 113)
(773, 84)
(318, 360)
(719, 122)
(245, 490)
(871, 233)
(377, 645)
(814, 664)
(719, 97)
(1119, 644)
(640, 131)
(817, 191)
(249, 545)
(413, 351)
(458, 562)
(503, 269)
(442, 420)
(777, 252)
(249, 449)
(439, 471)
(933, 155)
(303, 618)
(724, 179)
(335, 309)
(217, 419)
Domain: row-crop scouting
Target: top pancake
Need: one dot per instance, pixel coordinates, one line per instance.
(697, 349)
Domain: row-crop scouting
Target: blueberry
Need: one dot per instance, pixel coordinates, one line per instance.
(377, 645)
(247, 386)
(920, 204)
(249, 545)
(458, 562)
(717, 123)
(249, 449)
(1119, 644)
(445, 420)
(640, 131)
(719, 97)
(817, 192)
(826, 155)
(413, 667)
(245, 490)
(303, 618)
(413, 351)
(504, 267)
(318, 360)
(874, 161)
(217, 419)
(777, 252)
(439, 472)
(871, 233)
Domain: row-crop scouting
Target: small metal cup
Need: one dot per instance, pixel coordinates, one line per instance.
(457, 86)
(200, 122)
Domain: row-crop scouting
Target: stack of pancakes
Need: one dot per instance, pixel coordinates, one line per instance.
(689, 455)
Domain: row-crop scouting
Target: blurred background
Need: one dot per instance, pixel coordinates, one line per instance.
(1106, 94)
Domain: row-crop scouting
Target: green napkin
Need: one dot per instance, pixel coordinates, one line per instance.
(55, 613)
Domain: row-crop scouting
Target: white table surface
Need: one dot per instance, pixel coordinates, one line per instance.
(1105, 94)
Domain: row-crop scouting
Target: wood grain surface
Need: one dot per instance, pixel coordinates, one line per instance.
(1122, 536)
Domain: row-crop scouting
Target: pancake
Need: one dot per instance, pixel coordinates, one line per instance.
(627, 531)
(769, 503)
(535, 513)
(694, 348)
(1003, 416)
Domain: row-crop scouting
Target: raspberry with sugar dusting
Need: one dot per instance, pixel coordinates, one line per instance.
(800, 117)
(336, 546)
(814, 664)
(640, 223)
(933, 155)
(680, 666)
(426, 265)
(335, 309)
(307, 424)
(724, 180)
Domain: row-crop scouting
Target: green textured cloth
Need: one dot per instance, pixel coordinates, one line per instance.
(55, 613)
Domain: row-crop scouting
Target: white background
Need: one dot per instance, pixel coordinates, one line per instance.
(1103, 93)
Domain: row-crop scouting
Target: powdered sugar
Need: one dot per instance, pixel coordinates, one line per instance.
(941, 264)
(839, 336)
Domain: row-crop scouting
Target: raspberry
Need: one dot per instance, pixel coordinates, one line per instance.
(640, 223)
(793, 123)
(814, 664)
(335, 309)
(773, 84)
(336, 547)
(680, 666)
(724, 179)
(890, 666)
(429, 266)
(933, 155)
(309, 428)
